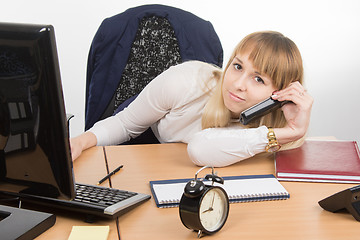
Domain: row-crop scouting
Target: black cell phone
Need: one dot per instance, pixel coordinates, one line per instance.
(260, 109)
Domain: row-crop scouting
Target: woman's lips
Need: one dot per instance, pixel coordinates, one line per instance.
(235, 97)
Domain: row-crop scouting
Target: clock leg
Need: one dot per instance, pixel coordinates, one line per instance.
(199, 234)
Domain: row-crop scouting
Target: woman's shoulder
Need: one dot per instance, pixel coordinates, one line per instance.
(187, 78)
(195, 64)
(189, 73)
(196, 72)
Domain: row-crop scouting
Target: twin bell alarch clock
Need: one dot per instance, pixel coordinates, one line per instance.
(204, 207)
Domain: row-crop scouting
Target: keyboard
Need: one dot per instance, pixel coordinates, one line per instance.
(95, 201)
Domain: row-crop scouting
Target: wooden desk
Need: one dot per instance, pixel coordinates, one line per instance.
(299, 217)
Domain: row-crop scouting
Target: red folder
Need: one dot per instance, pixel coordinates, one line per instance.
(320, 161)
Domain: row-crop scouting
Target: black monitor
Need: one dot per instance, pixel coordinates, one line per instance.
(35, 156)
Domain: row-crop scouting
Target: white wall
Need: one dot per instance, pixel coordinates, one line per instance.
(327, 33)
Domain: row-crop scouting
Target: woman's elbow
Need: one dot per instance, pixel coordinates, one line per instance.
(202, 155)
(195, 154)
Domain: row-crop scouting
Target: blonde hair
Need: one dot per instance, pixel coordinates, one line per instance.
(273, 55)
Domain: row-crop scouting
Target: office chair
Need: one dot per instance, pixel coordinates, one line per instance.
(132, 48)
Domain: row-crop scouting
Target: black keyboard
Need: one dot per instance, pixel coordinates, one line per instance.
(103, 197)
(96, 201)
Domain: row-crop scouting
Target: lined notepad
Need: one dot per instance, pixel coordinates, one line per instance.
(167, 193)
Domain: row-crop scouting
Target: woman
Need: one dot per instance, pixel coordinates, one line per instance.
(196, 103)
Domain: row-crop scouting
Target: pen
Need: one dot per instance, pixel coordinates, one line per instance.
(110, 174)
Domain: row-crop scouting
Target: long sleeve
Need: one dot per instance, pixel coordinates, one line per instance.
(221, 147)
(171, 104)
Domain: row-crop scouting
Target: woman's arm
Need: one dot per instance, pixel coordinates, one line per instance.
(82, 142)
(220, 147)
(167, 91)
(145, 110)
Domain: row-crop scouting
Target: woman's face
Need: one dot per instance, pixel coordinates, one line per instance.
(244, 86)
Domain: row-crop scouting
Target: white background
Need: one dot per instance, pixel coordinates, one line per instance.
(327, 33)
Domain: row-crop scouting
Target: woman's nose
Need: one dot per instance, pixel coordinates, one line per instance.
(241, 82)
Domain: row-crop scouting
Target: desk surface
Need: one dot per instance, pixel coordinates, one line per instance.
(299, 217)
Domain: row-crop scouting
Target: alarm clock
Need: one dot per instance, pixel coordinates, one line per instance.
(204, 208)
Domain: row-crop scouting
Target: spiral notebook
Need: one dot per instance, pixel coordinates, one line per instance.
(249, 188)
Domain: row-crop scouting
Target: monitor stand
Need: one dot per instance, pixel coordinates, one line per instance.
(17, 223)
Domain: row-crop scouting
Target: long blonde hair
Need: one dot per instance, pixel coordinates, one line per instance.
(273, 55)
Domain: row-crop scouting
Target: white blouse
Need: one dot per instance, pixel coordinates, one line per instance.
(172, 104)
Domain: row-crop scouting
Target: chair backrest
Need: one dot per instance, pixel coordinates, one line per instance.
(132, 48)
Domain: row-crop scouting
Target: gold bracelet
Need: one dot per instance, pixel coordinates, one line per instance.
(273, 145)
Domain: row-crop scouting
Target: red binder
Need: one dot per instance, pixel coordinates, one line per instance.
(320, 161)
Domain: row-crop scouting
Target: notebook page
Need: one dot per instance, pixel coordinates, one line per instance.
(253, 187)
(235, 188)
(169, 193)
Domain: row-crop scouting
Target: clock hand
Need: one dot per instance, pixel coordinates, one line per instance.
(212, 204)
(208, 210)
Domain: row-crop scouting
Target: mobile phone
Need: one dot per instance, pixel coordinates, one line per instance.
(260, 109)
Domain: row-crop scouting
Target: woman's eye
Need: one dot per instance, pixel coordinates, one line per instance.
(237, 66)
(259, 80)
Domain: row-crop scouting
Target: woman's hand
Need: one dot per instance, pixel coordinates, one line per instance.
(80, 143)
(297, 113)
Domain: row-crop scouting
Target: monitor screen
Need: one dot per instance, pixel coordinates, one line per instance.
(35, 156)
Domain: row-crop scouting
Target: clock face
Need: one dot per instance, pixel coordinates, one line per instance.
(214, 208)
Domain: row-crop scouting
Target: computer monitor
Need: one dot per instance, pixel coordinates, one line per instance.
(35, 156)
